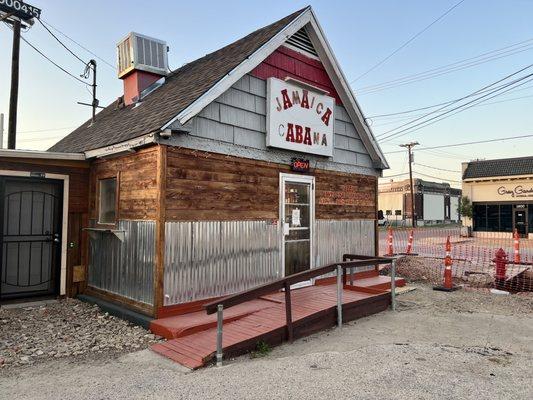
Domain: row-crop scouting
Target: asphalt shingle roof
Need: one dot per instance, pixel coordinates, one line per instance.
(502, 167)
(181, 88)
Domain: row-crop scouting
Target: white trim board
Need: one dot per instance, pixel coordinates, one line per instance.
(64, 222)
(51, 155)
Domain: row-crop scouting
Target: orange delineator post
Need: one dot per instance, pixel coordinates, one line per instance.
(448, 265)
(410, 243)
(448, 283)
(390, 250)
(516, 247)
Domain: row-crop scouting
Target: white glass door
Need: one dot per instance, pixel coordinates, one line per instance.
(297, 221)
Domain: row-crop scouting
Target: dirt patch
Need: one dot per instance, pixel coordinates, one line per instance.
(66, 329)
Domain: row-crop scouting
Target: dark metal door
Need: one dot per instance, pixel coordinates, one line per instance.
(30, 237)
(520, 220)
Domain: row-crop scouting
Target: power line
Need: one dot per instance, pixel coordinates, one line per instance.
(457, 100)
(49, 59)
(405, 118)
(393, 176)
(461, 108)
(436, 177)
(79, 44)
(446, 69)
(53, 62)
(467, 143)
(48, 130)
(60, 42)
(428, 107)
(40, 139)
(439, 169)
(408, 41)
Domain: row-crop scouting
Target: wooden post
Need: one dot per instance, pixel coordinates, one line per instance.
(339, 296)
(160, 229)
(13, 97)
(344, 277)
(288, 312)
(220, 327)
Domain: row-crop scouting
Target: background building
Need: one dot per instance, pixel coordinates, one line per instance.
(501, 192)
(435, 203)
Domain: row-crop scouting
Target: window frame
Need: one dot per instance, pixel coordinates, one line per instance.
(98, 199)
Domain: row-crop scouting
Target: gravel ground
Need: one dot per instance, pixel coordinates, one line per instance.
(461, 345)
(65, 329)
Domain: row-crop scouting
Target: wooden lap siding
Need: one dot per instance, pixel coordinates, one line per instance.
(78, 172)
(204, 186)
(137, 181)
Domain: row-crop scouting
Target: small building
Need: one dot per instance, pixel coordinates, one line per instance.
(501, 193)
(435, 203)
(246, 165)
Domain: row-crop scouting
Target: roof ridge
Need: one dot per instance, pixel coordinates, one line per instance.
(502, 159)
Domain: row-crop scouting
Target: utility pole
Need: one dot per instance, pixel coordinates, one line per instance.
(1, 130)
(409, 147)
(14, 94)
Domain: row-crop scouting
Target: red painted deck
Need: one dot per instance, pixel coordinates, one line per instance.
(192, 337)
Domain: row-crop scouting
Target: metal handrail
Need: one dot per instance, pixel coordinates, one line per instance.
(286, 282)
(279, 284)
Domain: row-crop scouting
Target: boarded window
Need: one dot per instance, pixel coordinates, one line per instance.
(107, 201)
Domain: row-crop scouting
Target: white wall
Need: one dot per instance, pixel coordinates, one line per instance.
(390, 201)
(433, 207)
(454, 205)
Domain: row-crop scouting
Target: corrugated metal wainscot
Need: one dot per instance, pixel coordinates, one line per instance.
(213, 258)
(335, 238)
(124, 267)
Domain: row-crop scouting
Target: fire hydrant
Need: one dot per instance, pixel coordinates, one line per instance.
(501, 268)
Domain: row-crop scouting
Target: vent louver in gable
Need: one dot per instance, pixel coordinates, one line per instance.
(301, 41)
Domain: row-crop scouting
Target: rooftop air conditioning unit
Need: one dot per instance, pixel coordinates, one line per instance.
(140, 52)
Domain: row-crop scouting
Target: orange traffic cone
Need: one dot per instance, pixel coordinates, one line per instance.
(516, 247)
(390, 250)
(408, 251)
(448, 283)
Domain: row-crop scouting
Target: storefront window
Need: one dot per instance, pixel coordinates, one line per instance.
(506, 218)
(493, 218)
(480, 217)
(500, 217)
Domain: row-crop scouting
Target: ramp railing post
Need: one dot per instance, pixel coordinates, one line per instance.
(393, 284)
(339, 296)
(288, 311)
(220, 323)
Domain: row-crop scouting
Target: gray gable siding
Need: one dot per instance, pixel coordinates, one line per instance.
(235, 123)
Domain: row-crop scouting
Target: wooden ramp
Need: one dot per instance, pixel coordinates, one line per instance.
(192, 337)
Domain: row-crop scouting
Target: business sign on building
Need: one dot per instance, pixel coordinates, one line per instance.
(299, 118)
(516, 191)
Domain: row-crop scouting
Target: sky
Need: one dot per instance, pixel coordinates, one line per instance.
(362, 33)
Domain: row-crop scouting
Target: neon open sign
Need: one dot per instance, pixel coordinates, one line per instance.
(20, 9)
